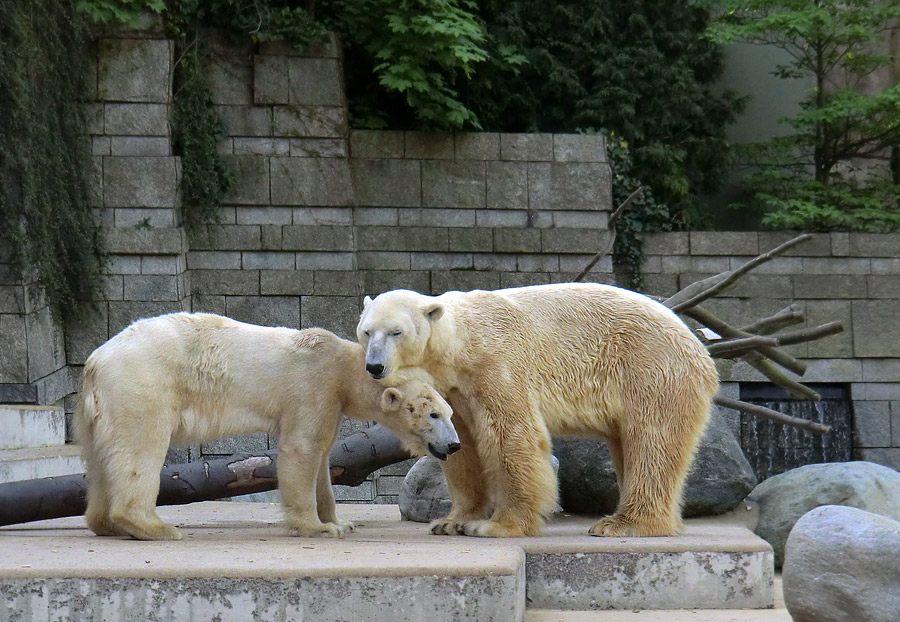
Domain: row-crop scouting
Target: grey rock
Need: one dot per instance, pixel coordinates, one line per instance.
(719, 479)
(784, 498)
(842, 565)
(424, 495)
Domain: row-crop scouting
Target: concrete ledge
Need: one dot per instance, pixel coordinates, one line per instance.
(237, 563)
(31, 426)
(713, 565)
(237, 559)
(37, 462)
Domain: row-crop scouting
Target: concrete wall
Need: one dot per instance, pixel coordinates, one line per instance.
(322, 216)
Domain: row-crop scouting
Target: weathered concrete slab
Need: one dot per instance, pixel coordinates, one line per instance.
(36, 462)
(31, 426)
(237, 563)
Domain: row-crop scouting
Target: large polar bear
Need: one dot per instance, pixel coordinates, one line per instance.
(185, 378)
(571, 359)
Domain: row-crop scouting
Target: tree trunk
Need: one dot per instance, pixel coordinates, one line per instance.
(352, 460)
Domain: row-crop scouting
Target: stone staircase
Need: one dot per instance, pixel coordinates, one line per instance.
(32, 444)
(236, 562)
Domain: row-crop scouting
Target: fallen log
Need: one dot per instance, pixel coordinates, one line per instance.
(352, 460)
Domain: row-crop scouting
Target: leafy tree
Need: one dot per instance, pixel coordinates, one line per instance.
(639, 69)
(811, 177)
(405, 59)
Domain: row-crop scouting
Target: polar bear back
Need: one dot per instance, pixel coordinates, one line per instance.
(584, 348)
(228, 370)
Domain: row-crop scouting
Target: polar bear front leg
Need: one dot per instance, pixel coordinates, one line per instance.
(325, 499)
(299, 461)
(465, 481)
(514, 446)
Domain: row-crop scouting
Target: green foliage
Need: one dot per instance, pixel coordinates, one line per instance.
(45, 215)
(196, 131)
(811, 178)
(259, 21)
(639, 69)
(411, 52)
(126, 12)
(644, 215)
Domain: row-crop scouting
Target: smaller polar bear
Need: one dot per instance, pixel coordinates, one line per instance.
(185, 378)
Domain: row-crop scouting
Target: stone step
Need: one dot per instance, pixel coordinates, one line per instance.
(238, 563)
(37, 462)
(31, 426)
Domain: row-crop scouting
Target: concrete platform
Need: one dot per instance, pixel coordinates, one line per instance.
(38, 462)
(31, 426)
(238, 563)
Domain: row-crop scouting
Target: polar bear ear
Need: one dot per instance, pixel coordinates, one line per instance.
(391, 399)
(433, 311)
(367, 301)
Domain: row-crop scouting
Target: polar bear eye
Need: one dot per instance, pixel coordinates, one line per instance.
(396, 333)
(435, 416)
(366, 333)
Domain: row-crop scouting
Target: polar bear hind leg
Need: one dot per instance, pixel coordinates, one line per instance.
(132, 477)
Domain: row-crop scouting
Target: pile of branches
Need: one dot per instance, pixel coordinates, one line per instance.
(756, 344)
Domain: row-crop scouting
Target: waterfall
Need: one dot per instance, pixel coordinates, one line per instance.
(772, 448)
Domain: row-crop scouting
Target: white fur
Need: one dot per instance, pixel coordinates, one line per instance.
(186, 378)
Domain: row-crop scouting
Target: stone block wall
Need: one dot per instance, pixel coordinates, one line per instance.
(322, 216)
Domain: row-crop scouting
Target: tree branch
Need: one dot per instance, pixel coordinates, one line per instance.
(733, 275)
(352, 460)
(788, 316)
(726, 330)
(772, 415)
(611, 225)
(729, 348)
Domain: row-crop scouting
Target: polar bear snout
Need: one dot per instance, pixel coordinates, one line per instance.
(443, 440)
(376, 370)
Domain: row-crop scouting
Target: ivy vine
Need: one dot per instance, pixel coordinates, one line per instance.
(643, 216)
(45, 213)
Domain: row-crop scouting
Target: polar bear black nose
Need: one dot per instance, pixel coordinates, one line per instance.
(452, 448)
(375, 369)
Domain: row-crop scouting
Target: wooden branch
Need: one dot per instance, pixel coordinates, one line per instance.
(704, 316)
(352, 460)
(611, 225)
(729, 348)
(694, 289)
(733, 275)
(809, 334)
(772, 415)
(614, 217)
(765, 367)
(788, 316)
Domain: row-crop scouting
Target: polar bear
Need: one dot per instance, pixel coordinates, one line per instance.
(570, 359)
(185, 378)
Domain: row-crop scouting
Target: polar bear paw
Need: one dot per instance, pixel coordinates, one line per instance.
(489, 529)
(337, 529)
(445, 527)
(616, 526)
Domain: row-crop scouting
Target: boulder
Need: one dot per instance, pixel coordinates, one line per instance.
(842, 565)
(424, 495)
(784, 498)
(719, 479)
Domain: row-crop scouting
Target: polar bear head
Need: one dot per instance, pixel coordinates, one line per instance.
(419, 416)
(395, 329)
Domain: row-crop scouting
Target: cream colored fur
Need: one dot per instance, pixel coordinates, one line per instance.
(520, 364)
(184, 378)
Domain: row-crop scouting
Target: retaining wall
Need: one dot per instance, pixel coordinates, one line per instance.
(321, 216)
